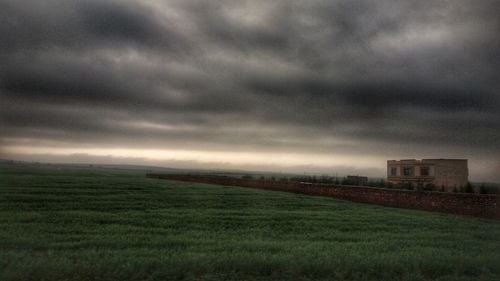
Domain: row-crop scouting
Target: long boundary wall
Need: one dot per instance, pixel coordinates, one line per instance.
(479, 205)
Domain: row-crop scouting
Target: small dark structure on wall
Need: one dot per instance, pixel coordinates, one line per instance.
(356, 180)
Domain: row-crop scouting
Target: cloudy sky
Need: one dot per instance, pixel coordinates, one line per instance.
(299, 86)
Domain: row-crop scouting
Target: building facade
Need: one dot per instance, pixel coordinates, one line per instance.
(449, 174)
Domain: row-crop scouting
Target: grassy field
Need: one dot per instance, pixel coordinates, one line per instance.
(91, 223)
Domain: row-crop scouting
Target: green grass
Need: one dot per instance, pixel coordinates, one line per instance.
(88, 223)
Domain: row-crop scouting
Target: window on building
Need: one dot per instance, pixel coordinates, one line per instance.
(407, 171)
(394, 171)
(424, 171)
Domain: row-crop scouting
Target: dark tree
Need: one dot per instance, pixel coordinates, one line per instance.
(468, 188)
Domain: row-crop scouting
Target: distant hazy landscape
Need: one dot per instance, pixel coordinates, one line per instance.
(61, 222)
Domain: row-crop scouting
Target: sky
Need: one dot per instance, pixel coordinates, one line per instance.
(289, 86)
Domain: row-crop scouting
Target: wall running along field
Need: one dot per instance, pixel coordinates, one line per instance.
(480, 205)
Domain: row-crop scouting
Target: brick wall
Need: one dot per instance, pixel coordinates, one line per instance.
(486, 206)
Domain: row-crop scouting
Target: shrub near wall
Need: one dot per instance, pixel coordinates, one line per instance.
(480, 205)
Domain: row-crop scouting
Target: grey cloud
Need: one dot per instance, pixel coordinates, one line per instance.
(295, 74)
(28, 25)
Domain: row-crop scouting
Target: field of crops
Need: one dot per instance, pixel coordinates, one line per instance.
(108, 223)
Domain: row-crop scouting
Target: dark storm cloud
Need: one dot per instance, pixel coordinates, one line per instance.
(82, 24)
(253, 75)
